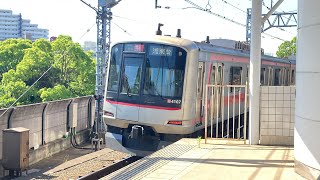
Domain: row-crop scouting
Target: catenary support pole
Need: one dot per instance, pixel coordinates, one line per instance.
(254, 78)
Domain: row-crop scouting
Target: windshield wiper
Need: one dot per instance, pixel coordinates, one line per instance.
(128, 92)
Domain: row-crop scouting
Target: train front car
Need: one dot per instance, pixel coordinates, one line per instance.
(144, 99)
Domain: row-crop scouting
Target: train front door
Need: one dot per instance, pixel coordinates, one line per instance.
(129, 96)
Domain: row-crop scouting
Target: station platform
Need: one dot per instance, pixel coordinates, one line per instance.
(218, 159)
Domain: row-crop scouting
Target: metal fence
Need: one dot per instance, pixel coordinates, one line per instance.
(226, 112)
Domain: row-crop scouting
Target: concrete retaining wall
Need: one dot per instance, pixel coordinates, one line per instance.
(29, 117)
(55, 120)
(56, 146)
(83, 112)
(277, 109)
(3, 124)
(51, 117)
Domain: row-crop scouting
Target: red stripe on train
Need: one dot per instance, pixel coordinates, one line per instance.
(234, 99)
(143, 106)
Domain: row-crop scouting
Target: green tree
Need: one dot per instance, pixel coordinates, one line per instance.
(72, 72)
(56, 93)
(11, 53)
(75, 67)
(13, 90)
(287, 48)
(36, 61)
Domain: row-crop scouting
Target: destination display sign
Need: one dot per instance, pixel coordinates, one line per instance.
(160, 50)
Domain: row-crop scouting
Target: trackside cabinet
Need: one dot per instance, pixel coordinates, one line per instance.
(15, 154)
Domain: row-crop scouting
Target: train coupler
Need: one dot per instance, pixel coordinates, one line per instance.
(136, 132)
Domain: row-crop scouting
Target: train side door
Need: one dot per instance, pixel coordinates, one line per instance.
(130, 83)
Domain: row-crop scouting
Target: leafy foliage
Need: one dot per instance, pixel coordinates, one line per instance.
(287, 48)
(56, 93)
(22, 62)
(11, 53)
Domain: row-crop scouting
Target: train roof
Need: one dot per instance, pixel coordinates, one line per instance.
(238, 52)
(210, 47)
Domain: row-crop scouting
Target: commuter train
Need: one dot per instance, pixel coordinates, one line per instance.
(158, 86)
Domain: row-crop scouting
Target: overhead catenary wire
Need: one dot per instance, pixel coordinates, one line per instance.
(215, 14)
(208, 10)
(88, 30)
(125, 31)
(234, 6)
(274, 37)
(196, 6)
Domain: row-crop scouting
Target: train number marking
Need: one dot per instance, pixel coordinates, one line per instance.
(172, 101)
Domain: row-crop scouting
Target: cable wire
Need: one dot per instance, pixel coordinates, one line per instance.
(215, 14)
(88, 30)
(234, 6)
(275, 37)
(121, 28)
(125, 18)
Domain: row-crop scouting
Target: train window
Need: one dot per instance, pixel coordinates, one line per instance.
(262, 76)
(220, 75)
(286, 77)
(213, 75)
(277, 77)
(164, 74)
(132, 68)
(235, 76)
(247, 74)
(200, 78)
(114, 70)
(283, 75)
(292, 77)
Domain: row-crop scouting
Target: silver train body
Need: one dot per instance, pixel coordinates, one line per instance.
(175, 103)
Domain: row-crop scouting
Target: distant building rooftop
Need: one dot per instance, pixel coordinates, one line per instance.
(14, 26)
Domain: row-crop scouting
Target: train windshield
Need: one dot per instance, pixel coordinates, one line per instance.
(164, 73)
(152, 73)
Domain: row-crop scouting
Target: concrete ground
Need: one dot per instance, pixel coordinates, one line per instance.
(215, 160)
(187, 159)
(243, 162)
(39, 169)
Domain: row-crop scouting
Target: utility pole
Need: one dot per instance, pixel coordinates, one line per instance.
(103, 20)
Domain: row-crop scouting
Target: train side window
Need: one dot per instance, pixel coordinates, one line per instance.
(283, 75)
(287, 75)
(271, 76)
(114, 69)
(247, 75)
(293, 77)
(277, 77)
(200, 78)
(235, 76)
(219, 75)
(262, 76)
(213, 75)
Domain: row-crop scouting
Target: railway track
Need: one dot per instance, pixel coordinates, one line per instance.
(107, 170)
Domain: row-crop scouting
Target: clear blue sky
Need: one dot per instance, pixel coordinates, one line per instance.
(139, 18)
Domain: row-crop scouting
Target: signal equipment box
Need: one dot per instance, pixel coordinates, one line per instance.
(15, 154)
